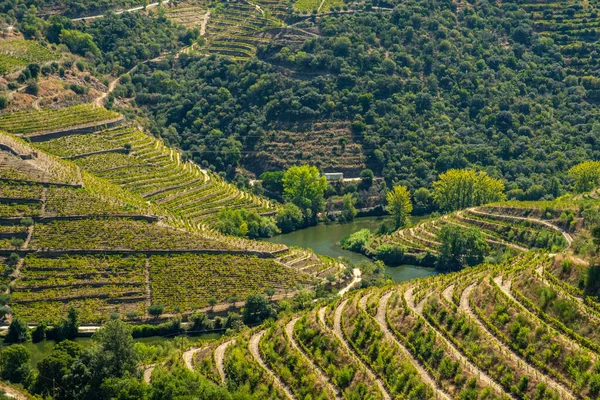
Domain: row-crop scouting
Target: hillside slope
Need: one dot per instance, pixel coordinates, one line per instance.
(99, 228)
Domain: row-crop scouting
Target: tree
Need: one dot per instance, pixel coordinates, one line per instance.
(18, 332)
(156, 310)
(116, 341)
(257, 309)
(212, 302)
(79, 42)
(348, 208)
(461, 188)
(366, 176)
(289, 218)
(270, 292)
(585, 176)
(14, 364)
(460, 247)
(52, 369)
(304, 187)
(272, 182)
(68, 327)
(399, 205)
(423, 200)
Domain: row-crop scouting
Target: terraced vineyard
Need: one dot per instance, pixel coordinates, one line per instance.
(511, 331)
(144, 166)
(328, 145)
(507, 227)
(32, 123)
(121, 222)
(16, 54)
(235, 29)
(574, 26)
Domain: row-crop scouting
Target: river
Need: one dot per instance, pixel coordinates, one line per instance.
(324, 239)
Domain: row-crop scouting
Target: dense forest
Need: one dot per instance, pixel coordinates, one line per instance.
(424, 90)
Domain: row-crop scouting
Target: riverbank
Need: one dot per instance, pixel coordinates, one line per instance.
(324, 239)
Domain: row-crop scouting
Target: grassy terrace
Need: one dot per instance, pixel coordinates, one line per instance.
(31, 122)
(142, 165)
(329, 146)
(97, 286)
(16, 54)
(189, 281)
(22, 163)
(190, 16)
(234, 29)
(502, 331)
(507, 226)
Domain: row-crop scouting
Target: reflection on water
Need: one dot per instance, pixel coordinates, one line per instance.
(324, 238)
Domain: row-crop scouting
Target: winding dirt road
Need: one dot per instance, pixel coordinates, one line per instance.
(148, 373)
(425, 377)
(254, 349)
(220, 358)
(188, 357)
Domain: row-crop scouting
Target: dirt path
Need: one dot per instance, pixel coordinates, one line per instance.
(148, 373)
(254, 349)
(482, 376)
(140, 8)
(357, 278)
(99, 101)
(12, 392)
(465, 306)
(447, 293)
(204, 23)
(337, 330)
(36, 103)
(425, 377)
(220, 358)
(289, 331)
(188, 357)
(320, 5)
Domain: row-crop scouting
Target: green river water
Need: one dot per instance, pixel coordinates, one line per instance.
(324, 239)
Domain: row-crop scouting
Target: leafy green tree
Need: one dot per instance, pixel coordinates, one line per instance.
(366, 176)
(272, 182)
(18, 332)
(460, 248)
(68, 327)
(14, 364)
(305, 187)
(156, 310)
(79, 42)
(289, 218)
(51, 370)
(118, 353)
(348, 208)
(399, 205)
(257, 309)
(423, 201)
(127, 388)
(585, 176)
(458, 189)
(212, 302)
